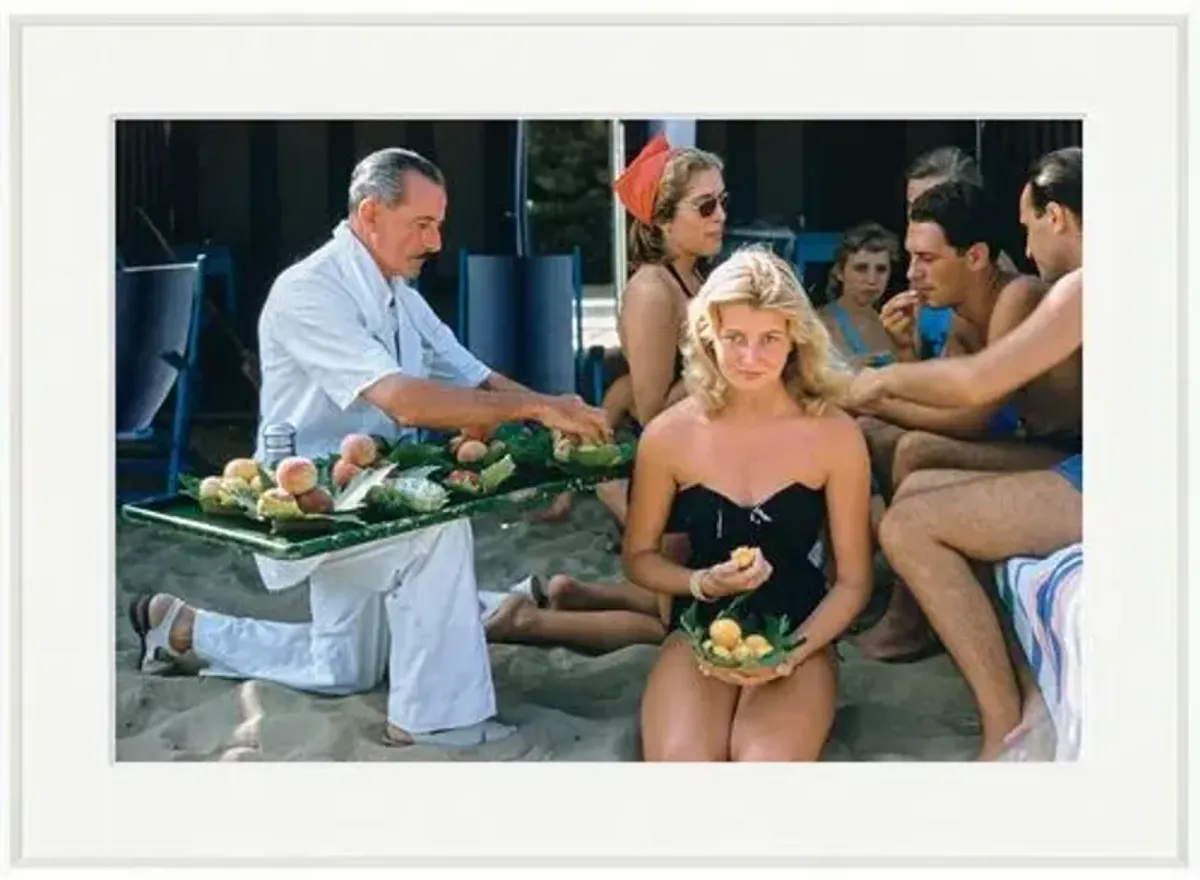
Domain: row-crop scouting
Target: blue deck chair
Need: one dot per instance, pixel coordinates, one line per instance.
(814, 247)
(514, 314)
(552, 333)
(158, 318)
(487, 322)
(779, 239)
(218, 263)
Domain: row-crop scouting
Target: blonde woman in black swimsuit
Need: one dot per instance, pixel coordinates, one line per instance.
(758, 455)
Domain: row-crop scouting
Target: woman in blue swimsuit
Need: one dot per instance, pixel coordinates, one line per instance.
(862, 267)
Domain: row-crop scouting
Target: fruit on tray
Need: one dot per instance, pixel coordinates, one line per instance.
(244, 468)
(563, 446)
(466, 481)
(232, 487)
(343, 471)
(217, 496)
(278, 504)
(296, 475)
(315, 500)
(470, 451)
(359, 449)
(598, 455)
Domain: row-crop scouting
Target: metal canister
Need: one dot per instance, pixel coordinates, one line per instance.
(279, 442)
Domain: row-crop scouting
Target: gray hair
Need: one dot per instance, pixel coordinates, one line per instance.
(945, 164)
(381, 176)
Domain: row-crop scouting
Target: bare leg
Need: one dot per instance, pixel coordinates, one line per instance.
(924, 481)
(615, 496)
(565, 593)
(902, 634)
(559, 509)
(618, 401)
(921, 450)
(519, 621)
(926, 538)
(881, 438)
(686, 716)
(788, 719)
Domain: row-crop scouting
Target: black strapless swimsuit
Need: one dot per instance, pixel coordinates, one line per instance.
(784, 526)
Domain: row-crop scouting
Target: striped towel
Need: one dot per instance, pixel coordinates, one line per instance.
(1043, 596)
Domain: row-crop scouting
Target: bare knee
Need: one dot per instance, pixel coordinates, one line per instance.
(913, 452)
(685, 745)
(776, 751)
(897, 528)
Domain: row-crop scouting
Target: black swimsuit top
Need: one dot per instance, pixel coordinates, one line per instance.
(784, 526)
(678, 371)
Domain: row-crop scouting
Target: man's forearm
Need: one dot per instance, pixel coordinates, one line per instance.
(942, 382)
(425, 403)
(951, 421)
(498, 382)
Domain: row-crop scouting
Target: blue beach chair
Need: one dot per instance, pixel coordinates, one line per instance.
(158, 318)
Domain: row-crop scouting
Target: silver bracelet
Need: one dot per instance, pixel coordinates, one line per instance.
(696, 586)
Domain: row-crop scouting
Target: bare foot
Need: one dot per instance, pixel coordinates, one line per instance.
(396, 736)
(1035, 738)
(558, 510)
(559, 589)
(991, 750)
(901, 633)
(246, 742)
(512, 619)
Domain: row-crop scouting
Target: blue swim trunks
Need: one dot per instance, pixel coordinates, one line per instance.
(1071, 470)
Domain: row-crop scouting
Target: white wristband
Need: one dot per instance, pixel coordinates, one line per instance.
(696, 586)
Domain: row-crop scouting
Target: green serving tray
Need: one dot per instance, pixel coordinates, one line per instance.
(182, 514)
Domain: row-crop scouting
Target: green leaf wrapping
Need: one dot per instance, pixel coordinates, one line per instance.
(775, 629)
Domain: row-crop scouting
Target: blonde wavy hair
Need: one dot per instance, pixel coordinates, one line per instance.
(814, 374)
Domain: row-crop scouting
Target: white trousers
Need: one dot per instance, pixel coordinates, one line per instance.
(407, 607)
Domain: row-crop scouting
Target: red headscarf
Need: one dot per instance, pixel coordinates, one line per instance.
(638, 185)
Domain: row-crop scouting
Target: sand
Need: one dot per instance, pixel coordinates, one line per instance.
(565, 706)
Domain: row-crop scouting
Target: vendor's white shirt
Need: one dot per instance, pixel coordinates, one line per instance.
(331, 327)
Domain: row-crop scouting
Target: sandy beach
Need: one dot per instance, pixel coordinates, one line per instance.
(565, 706)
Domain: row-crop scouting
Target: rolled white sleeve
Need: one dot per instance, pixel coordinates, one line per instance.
(451, 360)
(330, 343)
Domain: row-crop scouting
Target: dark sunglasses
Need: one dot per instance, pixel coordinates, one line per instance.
(707, 206)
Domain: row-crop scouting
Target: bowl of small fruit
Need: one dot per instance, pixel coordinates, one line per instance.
(745, 647)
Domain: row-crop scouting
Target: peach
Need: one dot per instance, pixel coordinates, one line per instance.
(315, 500)
(277, 504)
(470, 451)
(246, 468)
(359, 449)
(210, 489)
(296, 475)
(344, 471)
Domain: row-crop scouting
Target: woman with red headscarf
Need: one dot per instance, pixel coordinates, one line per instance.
(676, 200)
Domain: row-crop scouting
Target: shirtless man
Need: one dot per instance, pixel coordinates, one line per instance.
(927, 170)
(941, 519)
(953, 264)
